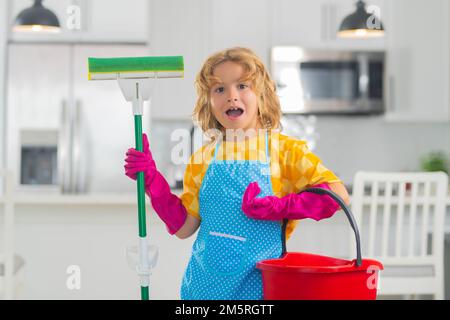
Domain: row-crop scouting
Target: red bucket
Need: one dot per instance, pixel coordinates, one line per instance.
(304, 276)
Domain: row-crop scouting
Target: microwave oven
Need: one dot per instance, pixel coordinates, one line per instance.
(329, 82)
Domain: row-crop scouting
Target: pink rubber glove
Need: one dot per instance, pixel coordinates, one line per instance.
(293, 206)
(167, 205)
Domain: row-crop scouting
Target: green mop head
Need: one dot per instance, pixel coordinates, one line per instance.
(135, 68)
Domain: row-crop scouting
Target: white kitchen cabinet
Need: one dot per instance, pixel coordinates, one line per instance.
(418, 61)
(314, 24)
(175, 98)
(298, 22)
(38, 85)
(124, 21)
(245, 27)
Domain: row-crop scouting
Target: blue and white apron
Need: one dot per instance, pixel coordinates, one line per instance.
(229, 244)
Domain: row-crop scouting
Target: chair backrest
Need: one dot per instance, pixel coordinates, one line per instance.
(396, 212)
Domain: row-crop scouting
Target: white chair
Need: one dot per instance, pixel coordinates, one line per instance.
(401, 222)
(10, 264)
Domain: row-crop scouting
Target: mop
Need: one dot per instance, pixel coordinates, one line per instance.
(136, 76)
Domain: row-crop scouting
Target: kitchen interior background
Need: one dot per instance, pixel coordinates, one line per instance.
(415, 121)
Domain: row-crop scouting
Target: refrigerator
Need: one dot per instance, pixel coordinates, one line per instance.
(66, 134)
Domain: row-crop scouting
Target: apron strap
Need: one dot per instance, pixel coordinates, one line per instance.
(266, 142)
(267, 147)
(216, 148)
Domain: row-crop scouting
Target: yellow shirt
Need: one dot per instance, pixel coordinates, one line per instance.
(293, 167)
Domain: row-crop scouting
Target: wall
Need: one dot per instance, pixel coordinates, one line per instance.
(347, 145)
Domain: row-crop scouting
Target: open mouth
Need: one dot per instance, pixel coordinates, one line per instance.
(234, 112)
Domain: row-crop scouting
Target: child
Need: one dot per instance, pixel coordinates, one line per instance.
(239, 205)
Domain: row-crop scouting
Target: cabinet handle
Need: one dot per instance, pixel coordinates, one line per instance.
(64, 149)
(391, 106)
(332, 28)
(76, 148)
(328, 21)
(324, 21)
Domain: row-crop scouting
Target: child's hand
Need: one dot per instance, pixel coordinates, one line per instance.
(258, 208)
(137, 161)
(167, 205)
(292, 206)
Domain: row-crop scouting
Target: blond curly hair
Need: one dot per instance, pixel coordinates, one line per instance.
(269, 110)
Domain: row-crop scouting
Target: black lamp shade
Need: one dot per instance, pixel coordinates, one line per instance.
(37, 18)
(361, 24)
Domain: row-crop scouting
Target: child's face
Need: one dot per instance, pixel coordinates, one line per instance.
(234, 104)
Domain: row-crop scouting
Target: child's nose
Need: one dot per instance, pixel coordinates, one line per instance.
(232, 95)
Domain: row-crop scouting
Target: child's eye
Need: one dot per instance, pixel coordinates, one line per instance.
(219, 90)
(243, 86)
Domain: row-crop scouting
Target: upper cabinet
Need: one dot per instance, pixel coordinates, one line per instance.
(418, 61)
(123, 21)
(301, 23)
(175, 98)
(247, 26)
(314, 24)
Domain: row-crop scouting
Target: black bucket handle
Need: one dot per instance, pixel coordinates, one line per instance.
(348, 213)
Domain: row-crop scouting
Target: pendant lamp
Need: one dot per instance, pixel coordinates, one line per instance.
(37, 18)
(361, 24)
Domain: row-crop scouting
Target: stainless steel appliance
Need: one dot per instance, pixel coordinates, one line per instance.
(329, 82)
(39, 158)
(76, 130)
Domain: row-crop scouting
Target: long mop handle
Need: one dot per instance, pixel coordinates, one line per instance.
(133, 75)
(141, 200)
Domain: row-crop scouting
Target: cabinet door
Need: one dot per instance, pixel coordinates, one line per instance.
(118, 20)
(175, 98)
(91, 20)
(241, 23)
(315, 24)
(38, 84)
(298, 22)
(418, 60)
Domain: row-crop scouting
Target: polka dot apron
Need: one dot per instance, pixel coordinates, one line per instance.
(229, 244)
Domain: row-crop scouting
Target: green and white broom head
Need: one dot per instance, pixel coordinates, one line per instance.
(135, 68)
(136, 75)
